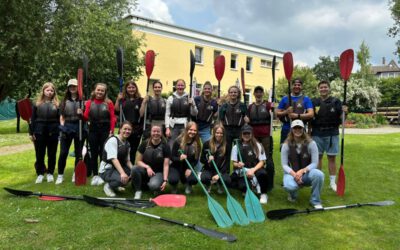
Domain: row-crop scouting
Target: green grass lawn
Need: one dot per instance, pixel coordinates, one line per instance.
(8, 133)
(372, 174)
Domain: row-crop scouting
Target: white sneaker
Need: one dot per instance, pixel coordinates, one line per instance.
(188, 189)
(94, 181)
(318, 206)
(50, 178)
(138, 195)
(121, 189)
(39, 179)
(100, 181)
(333, 186)
(73, 177)
(60, 179)
(263, 198)
(108, 190)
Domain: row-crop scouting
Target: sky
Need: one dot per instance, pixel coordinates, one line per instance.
(307, 28)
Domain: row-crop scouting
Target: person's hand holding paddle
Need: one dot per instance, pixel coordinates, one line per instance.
(250, 172)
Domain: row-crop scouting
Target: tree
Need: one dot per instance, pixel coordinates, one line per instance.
(395, 29)
(308, 78)
(64, 32)
(327, 69)
(363, 57)
(390, 89)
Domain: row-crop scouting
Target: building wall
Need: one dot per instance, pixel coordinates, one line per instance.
(173, 61)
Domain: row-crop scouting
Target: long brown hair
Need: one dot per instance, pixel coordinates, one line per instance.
(304, 139)
(93, 94)
(213, 141)
(125, 92)
(184, 138)
(40, 98)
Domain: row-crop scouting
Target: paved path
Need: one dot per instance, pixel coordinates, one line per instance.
(389, 129)
(7, 150)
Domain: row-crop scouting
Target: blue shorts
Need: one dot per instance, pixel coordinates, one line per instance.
(328, 144)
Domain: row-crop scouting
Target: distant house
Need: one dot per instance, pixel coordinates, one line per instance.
(386, 70)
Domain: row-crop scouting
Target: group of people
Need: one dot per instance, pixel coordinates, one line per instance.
(167, 141)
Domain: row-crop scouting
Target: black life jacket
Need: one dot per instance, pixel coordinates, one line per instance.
(130, 109)
(298, 108)
(47, 112)
(259, 114)
(156, 108)
(298, 161)
(327, 116)
(190, 151)
(123, 152)
(180, 107)
(233, 115)
(219, 159)
(205, 109)
(99, 113)
(249, 156)
(154, 156)
(69, 111)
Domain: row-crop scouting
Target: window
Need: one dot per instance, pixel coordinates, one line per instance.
(198, 54)
(248, 96)
(233, 61)
(249, 63)
(266, 64)
(216, 53)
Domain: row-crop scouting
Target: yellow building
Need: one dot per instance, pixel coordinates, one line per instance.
(172, 45)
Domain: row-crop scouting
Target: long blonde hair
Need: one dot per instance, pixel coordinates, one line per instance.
(304, 139)
(41, 96)
(125, 92)
(239, 92)
(93, 94)
(184, 138)
(213, 141)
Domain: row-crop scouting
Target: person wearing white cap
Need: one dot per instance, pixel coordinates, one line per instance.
(299, 159)
(69, 127)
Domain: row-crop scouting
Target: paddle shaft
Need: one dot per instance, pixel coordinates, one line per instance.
(243, 168)
(219, 174)
(343, 124)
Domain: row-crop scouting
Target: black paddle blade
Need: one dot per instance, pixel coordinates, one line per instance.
(192, 63)
(97, 202)
(379, 203)
(215, 234)
(18, 192)
(136, 204)
(281, 213)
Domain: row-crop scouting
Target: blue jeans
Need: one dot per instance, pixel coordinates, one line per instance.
(314, 178)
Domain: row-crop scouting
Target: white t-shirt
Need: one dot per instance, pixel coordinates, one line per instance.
(111, 147)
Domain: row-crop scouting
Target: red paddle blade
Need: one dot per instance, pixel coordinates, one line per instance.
(51, 198)
(219, 67)
(170, 200)
(341, 184)
(80, 83)
(80, 173)
(346, 63)
(243, 83)
(149, 62)
(288, 65)
(25, 109)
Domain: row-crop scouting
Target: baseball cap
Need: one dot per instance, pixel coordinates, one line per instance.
(72, 82)
(246, 128)
(297, 123)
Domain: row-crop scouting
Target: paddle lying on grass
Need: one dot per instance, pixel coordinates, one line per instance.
(234, 208)
(217, 211)
(205, 231)
(283, 213)
(149, 64)
(253, 206)
(346, 65)
(165, 200)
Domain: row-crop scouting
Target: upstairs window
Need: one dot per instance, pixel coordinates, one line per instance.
(233, 61)
(249, 64)
(198, 54)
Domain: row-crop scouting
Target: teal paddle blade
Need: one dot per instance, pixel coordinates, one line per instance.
(253, 207)
(220, 216)
(236, 211)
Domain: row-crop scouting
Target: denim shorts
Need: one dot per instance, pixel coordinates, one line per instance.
(328, 144)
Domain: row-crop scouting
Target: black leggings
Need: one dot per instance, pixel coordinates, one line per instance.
(175, 175)
(43, 142)
(65, 144)
(97, 138)
(262, 178)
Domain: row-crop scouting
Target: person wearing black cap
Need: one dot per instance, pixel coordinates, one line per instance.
(300, 108)
(299, 159)
(253, 163)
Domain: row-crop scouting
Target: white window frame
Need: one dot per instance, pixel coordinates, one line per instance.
(249, 64)
(234, 57)
(199, 55)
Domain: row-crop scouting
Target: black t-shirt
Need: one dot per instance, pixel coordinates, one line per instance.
(154, 155)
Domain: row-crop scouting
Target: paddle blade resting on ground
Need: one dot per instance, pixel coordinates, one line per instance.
(341, 184)
(346, 62)
(80, 173)
(253, 207)
(149, 61)
(220, 216)
(236, 211)
(170, 200)
(281, 214)
(25, 109)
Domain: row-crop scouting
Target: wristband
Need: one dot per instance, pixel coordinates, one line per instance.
(165, 181)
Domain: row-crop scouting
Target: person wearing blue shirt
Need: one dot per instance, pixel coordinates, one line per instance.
(301, 108)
